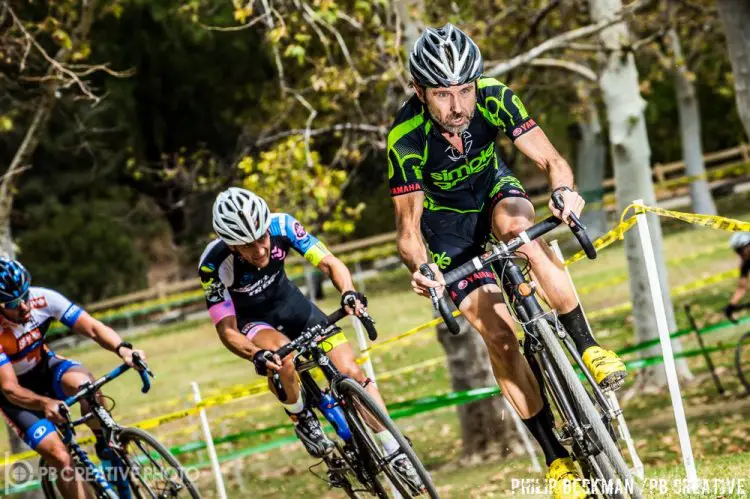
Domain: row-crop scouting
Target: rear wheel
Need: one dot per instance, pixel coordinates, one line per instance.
(363, 414)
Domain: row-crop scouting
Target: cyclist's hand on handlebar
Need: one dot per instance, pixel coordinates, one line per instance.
(51, 409)
(422, 284)
(729, 312)
(127, 356)
(265, 360)
(354, 303)
(572, 202)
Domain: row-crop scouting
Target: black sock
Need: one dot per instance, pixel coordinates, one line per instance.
(575, 324)
(540, 426)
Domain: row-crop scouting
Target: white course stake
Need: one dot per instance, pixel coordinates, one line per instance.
(622, 425)
(210, 445)
(666, 349)
(362, 341)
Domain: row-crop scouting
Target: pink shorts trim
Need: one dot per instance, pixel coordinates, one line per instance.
(221, 310)
(253, 328)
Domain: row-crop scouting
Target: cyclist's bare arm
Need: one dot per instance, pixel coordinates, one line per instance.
(739, 291)
(409, 241)
(18, 395)
(236, 342)
(104, 335)
(536, 146)
(338, 272)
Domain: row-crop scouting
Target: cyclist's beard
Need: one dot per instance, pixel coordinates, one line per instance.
(446, 124)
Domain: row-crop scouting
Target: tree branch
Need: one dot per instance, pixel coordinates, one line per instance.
(357, 127)
(561, 40)
(250, 23)
(535, 25)
(575, 67)
(59, 67)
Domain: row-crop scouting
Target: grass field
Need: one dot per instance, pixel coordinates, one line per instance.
(192, 352)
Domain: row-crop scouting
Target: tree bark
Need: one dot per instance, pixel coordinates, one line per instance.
(690, 130)
(485, 428)
(591, 159)
(735, 15)
(631, 157)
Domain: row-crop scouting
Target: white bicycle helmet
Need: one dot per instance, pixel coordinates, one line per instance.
(739, 240)
(445, 56)
(240, 217)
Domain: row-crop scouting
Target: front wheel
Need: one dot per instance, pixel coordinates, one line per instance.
(366, 417)
(152, 470)
(610, 453)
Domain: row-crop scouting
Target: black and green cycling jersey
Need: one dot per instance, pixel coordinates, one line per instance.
(421, 159)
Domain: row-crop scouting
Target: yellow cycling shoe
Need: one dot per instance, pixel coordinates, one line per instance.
(565, 481)
(608, 370)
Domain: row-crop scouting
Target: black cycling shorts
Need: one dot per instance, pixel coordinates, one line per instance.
(455, 238)
(45, 379)
(290, 312)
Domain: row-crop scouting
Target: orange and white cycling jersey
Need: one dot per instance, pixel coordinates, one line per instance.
(23, 344)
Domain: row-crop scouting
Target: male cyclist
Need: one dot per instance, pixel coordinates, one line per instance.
(450, 187)
(739, 242)
(34, 380)
(256, 308)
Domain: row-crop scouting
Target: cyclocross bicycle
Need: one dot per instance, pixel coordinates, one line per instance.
(587, 416)
(358, 463)
(742, 355)
(148, 469)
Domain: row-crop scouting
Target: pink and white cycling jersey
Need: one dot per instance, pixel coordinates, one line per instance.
(23, 344)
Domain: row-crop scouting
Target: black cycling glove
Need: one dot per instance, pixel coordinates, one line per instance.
(346, 300)
(260, 359)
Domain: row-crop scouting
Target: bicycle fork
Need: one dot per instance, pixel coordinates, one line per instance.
(85, 463)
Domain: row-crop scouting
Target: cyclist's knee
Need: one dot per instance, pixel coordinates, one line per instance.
(56, 455)
(511, 217)
(287, 369)
(351, 369)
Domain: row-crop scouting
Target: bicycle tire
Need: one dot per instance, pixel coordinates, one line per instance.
(603, 471)
(352, 392)
(581, 398)
(743, 345)
(135, 435)
(50, 491)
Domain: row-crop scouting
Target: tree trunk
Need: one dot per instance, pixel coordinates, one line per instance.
(485, 428)
(735, 15)
(406, 12)
(690, 130)
(590, 163)
(631, 157)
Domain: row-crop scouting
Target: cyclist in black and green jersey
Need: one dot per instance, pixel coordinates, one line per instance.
(450, 187)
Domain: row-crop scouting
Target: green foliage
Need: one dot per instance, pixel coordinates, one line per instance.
(86, 249)
(312, 193)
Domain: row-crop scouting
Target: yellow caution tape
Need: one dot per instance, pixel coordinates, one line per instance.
(712, 221)
(410, 332)
(616, 234)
